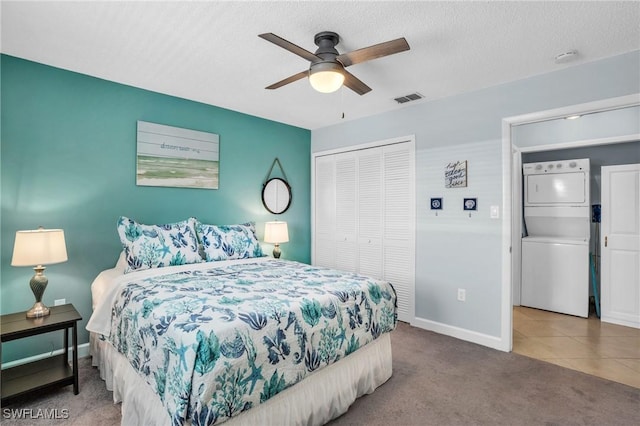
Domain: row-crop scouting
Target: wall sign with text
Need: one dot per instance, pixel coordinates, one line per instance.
(455, 174)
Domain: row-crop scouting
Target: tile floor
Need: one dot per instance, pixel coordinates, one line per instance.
(585, 344)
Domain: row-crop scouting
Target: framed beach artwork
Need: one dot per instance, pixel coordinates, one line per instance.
(176, 157)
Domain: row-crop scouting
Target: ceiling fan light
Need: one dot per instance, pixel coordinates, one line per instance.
(326, 77)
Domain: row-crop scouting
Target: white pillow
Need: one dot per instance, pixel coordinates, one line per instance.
(121, 264)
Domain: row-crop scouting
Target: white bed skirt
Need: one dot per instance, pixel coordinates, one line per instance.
(322, 396)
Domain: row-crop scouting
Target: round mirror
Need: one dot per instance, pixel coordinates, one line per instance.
(276, 195)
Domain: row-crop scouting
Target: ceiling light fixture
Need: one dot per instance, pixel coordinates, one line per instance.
(326, 77)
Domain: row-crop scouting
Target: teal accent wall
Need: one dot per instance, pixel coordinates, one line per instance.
(68, 160)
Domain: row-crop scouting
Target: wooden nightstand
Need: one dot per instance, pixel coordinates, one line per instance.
(46, 373)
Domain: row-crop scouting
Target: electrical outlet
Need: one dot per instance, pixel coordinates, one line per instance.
(59, 302)
(462, 294)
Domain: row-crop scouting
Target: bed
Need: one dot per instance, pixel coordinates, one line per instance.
(237, 340)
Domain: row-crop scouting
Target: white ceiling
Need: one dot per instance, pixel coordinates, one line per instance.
(210, 51)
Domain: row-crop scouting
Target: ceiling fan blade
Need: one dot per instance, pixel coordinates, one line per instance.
(290, 47)
(288, 80)
(373, 52)
(355, 84)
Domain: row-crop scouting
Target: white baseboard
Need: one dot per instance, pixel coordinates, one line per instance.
(620, 321)
(83, 351)
(462, 334)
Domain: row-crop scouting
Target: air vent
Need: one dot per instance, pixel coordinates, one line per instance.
(408, 98)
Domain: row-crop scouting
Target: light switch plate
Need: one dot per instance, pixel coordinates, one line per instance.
(495, 212)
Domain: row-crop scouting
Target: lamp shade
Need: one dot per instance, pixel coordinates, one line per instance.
(39, 247)
(326, 77)
(276, 232)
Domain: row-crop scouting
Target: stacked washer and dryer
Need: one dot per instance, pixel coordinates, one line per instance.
(555, 250)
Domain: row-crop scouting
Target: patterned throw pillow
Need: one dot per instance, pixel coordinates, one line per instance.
(225, 242)
(156, 246)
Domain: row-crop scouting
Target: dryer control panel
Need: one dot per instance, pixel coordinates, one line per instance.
(563, 166)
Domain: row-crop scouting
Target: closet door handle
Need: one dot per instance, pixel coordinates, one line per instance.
(605, 241)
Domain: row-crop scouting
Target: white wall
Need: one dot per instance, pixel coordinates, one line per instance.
(454, 251)
(450, 244)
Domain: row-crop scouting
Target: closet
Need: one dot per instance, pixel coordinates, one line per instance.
(364, 214)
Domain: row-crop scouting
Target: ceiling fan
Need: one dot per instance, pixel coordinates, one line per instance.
(327, 71)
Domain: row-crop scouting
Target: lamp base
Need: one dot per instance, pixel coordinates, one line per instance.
(38, 310)
(38, 285)
(276, 251)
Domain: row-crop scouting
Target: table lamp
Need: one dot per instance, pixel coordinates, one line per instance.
(39, 247)
(276, 233)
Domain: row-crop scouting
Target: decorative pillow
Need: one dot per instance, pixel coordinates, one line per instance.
(156, 246)
(228, 241)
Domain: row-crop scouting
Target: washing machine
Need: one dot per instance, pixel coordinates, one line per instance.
(555, 250)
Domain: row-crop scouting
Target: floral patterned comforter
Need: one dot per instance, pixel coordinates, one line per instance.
(215, 342)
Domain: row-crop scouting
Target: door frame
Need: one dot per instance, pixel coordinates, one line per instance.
(511, 191)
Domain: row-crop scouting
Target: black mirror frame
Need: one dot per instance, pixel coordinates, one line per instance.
(264, 187)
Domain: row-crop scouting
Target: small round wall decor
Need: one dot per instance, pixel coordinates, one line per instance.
(470, 204)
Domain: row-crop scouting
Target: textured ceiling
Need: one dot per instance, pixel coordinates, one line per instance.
(210, 51)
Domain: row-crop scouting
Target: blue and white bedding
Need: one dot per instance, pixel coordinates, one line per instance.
(213, 341)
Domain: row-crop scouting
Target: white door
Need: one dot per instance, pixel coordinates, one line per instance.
(620, 244)
(325, 206)
(346, 213)
(399, 225)
(370, 210)
(364, 215)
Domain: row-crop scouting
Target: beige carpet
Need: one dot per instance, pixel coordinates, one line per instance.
(437, 380)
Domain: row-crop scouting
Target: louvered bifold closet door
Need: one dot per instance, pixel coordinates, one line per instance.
(346, 204)
(325, 209)
(365, 215)
(399, 225)
(370, 210)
